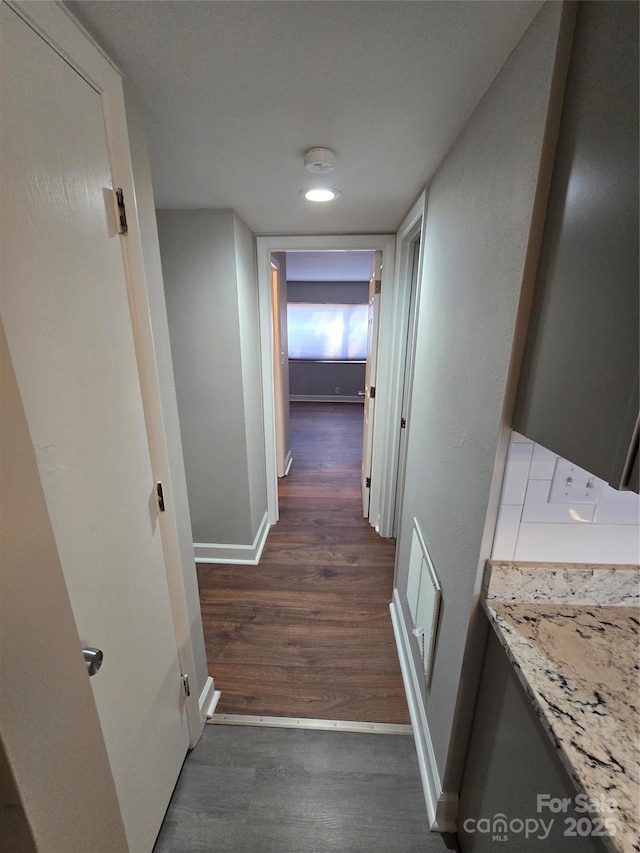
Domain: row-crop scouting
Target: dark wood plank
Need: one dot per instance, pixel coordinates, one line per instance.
(307, 633)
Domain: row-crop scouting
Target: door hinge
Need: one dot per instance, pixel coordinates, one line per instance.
(378, 286)
(367, 483)
(160, 494)
(372, 392)
(121, 212)
(403, 423)
(185, 684)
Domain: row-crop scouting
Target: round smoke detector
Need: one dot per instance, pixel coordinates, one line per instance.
(319, 160)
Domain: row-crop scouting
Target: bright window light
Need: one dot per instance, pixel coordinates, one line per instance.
(325, 332)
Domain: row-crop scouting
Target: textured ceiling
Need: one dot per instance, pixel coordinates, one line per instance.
(235, 92)
(329, 265)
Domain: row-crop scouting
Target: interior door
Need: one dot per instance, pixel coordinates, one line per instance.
(370, 380)
(406, 384)
(66, 313)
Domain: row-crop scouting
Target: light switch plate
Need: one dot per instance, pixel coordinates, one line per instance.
(571, 484)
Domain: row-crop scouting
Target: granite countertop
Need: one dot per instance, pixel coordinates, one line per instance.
(572, 632)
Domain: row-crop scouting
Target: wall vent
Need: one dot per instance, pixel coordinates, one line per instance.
(423, 596)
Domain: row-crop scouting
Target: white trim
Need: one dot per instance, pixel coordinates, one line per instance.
(433, 593)
(265, 246)
(316, 725)
(411, 228)
(58, 27)
(211, 708)
(319, 398)
(208, 552)
(209, 698)
(441, 806)
(288, 461)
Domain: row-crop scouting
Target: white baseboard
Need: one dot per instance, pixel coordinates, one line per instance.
(287, 463)
(441, 807)
(207, 552)
(208, 700)
(311, 398)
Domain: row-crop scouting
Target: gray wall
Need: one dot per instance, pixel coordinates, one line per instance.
(207, 266)
(247, 278)
(511, 760)
(480, 211)
(320, 379)
(340, 292)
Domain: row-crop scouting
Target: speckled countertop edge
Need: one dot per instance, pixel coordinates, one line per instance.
(563, 583)
(553, 588)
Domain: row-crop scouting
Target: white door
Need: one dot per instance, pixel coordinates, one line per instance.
(370, 381)
(66, 313)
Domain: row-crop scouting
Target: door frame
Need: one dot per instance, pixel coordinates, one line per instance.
(60, 30)
(370, 382)
(283, 454)
(382, 484)
(412, 228)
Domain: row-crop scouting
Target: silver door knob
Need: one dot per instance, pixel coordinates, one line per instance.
(362, 393)
(93, 659)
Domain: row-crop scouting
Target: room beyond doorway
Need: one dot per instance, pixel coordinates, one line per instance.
(327, 296)
(326, 311)
(382, 489)
(307, 633)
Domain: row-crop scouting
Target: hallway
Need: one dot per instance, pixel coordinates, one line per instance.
(307, 633)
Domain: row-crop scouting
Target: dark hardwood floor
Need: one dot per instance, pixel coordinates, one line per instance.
(307, 633)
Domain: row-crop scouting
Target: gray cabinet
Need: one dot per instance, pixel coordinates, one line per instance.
(578, 393)
(510, 761)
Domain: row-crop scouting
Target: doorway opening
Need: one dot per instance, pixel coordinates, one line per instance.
(325, 333)
(288, 263)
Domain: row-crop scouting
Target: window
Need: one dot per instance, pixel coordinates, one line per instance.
(326, 332)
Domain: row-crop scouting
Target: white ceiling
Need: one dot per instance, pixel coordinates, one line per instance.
(234, 93)
(330, 265)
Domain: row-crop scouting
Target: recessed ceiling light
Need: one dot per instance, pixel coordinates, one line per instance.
(320, 194)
